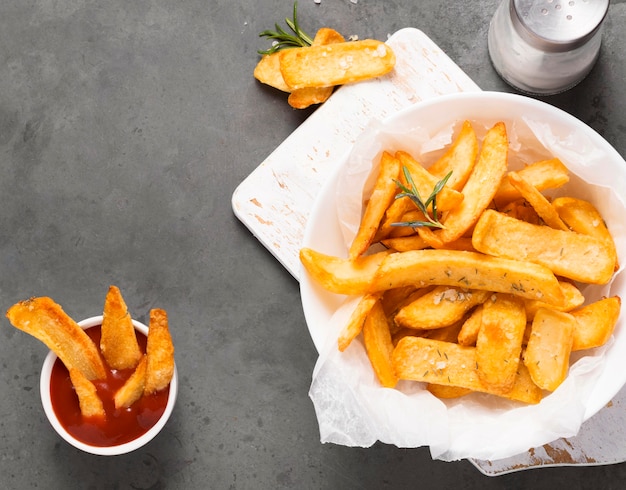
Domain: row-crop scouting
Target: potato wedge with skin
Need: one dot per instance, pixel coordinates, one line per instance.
(573, 299)
(449, 364)
(382, 196)
(339, 275)
(355, 324)
(549, 347)
(441, 307)
(378, 344)
(45, 320)
(499, 341)
(159, 353)
(458, 159)
(335, 64)
(118, 341)
(481, 185)
(595, 323)
(467, 270)
(132, 390)
(470, 328)
(544, 174)
(572, 255)
(404, 244)
(91, 406)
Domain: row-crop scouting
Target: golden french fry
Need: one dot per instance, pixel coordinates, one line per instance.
(499, 341)
(549, 346)
(538, 201)
(467, 270)
(522, 210)
(449, 364)
(443, 306)
(595, 323)
(573, 299)
(544, 174)
(159, 353)
(446, 334)
(118, 342)
(267, 71)
(355, 325)
(470, 328)
(335, 64)
(489, 168)
(459, 158)
(447, 392)
(382, 196)
(132, 390)
(88, 400)
(339, 275)
(572, 255)
(45, 320)
(378, 344)
(404, 244)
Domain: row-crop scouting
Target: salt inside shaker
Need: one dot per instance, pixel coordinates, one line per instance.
(545, 47)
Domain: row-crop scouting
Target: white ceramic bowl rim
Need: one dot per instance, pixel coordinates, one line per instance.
(44, 387)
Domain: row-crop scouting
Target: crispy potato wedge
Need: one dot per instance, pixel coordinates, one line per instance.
(447, 392)
(466, 270)
(572, 255)
(382, 196)
(90, 404)
(118, 342)
(335, 64)
(45, 320)
(339, 275)
(544, 174)
(133, 389)
(442, 307)
(449, 364)
(470, 328)
(595, 323)
(355, 325)
(267, 71)
(499, 341)
(404, 244)
(490, 167)
(159, 353)
(378, 344)
(573, 299)
(549, 347)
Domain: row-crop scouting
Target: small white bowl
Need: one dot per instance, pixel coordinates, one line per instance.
(124, 448)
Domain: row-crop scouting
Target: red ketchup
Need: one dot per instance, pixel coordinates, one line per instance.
(121, 425)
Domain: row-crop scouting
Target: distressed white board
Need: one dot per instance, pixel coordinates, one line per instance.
(274, 202)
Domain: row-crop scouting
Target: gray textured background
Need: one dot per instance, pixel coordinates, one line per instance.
(125, 126)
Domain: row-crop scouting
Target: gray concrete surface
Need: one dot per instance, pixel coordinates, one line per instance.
(124, 129)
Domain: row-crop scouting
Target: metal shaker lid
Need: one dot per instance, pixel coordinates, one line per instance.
(557, 25)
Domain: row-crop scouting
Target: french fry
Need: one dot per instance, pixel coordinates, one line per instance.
(118, 341)
(549, 346)
(449, 364)
(335, 64)
(595, 323)
(538, 201)
(572, 255)
(90, 404)
(467, 270)
(499, 341)
(490, 167)
(441, 307)
(447, 392)
(404, 244)
(470, 328)
(159, 353)
(355, 325)
(573, 299)
(382, 196)
(378, 344)
(132, 390)
(45, 320)
(267, 71)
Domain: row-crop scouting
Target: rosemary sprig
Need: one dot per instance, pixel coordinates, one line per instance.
(282, 39)
(413, 194)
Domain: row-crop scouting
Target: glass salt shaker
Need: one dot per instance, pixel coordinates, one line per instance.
(545, 47)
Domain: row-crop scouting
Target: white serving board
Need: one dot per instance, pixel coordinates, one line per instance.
(274, 202)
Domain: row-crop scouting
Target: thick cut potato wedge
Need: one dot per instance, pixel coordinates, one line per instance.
(159, 353)
(45, 320)
(133, 389)
(377, 340)
(499, 341)
(549, 347)
(595, 323)
(449, 364)
(447, 392)
(572, 255)
(573, 299)
(267, 71)
(355, 325)
(90, 404)
(466, 270)
(545, 174)
(118, 341)
(470, 328)
(335, 64)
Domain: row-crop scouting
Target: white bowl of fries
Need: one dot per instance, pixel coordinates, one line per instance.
(382, 392)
